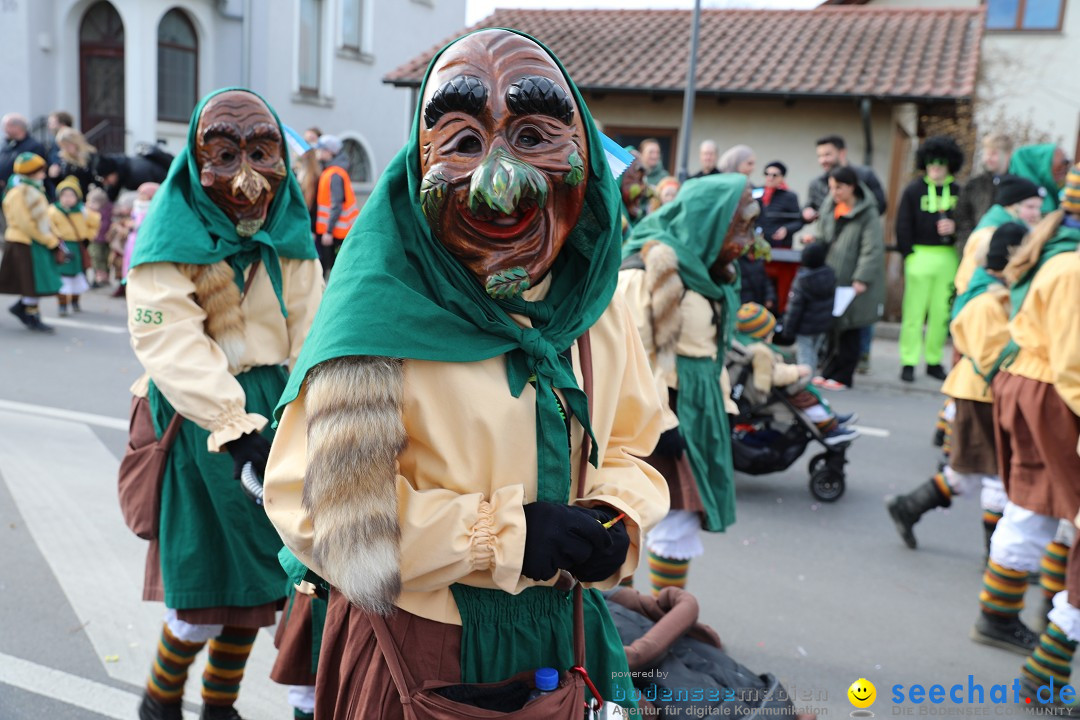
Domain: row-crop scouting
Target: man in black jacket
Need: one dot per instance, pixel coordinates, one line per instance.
(831, 152)
(17, 141)
(780, 217)
(979, 190)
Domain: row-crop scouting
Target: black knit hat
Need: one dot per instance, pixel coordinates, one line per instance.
(1012, 189)
(1005, 238)
(813, 255)
(779, 166)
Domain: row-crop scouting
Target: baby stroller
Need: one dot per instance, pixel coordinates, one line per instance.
(770, 433)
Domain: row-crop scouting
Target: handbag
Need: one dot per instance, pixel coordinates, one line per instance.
(423, 702)
(142, 470)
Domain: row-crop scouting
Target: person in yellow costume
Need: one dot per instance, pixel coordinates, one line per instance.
(76, 225)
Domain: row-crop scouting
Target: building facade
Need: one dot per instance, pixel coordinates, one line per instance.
(131, 71)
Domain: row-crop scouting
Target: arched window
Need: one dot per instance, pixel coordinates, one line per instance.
(178, 67)
(101, 81)
(359, 162)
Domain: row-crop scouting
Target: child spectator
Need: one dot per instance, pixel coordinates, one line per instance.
(810, 306)
(75, 226)
(754, 326)
(119, 229)
(98, 201)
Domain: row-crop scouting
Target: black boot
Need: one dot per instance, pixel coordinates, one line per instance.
(936, 371)
(907, 509)
(219, 712)
(907, 373)
(153, 709)
(33, 320)
(1007, 634)
(19, 311)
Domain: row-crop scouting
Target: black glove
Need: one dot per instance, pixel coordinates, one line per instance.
(671, 443)
(251, 448)
(558, 537)
(609, 556)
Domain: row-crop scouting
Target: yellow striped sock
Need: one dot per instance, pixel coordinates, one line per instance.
(1003, 590)
(170, 669)
(667, 572)
(1052, 568)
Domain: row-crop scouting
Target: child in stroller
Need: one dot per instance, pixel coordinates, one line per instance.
(779, 413)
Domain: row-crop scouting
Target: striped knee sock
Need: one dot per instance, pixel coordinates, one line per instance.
(170, 668)
(1051, 659)
(991, 518)
(1052, 568)
(299, 714)
(667, 572)
(225, 669)
(1003, 591)
(942, 486)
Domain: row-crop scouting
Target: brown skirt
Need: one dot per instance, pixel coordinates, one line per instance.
(249, 617)
(293, 642)
(973, 448)
(17, 271)
(1036, 441)
(680, 479)
(354, 681)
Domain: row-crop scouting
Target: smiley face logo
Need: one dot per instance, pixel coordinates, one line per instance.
(862, 693)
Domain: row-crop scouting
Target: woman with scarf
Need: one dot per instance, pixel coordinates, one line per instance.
(431, 446)
(224, 284)
(780, 216)
(76, 226)
(681, 284)
(926, 237)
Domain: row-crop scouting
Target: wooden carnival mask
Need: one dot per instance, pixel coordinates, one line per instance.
(739, 237)
(241, 157)
(504, 159)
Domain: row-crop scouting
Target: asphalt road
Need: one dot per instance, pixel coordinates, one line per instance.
(818, 594)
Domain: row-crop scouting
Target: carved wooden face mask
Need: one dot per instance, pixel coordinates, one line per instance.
(240, 155)
(503, 157)
(740, 234)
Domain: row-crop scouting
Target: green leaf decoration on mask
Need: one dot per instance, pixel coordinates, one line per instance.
(432, 196)
(502, 182)
(507, 283)
(577, 169)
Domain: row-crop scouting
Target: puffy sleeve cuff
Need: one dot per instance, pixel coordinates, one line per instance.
(230, 425)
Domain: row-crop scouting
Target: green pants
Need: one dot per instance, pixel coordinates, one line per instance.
(928, 289)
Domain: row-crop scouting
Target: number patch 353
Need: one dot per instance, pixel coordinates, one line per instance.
(148, 317)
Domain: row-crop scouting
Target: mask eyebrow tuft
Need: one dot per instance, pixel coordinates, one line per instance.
(464, 93)
(536, 95)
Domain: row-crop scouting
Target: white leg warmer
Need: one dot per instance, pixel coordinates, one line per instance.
(677, 536)
(1020, 538)
(1065, 616)
(302, 697)
(190, 633)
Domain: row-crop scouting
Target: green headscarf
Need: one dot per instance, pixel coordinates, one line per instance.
(397, 292)
(1035, 162)
(184, 225)
(995, 216)
(694, 225)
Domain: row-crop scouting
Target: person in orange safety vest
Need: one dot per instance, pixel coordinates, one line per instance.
(336, 211)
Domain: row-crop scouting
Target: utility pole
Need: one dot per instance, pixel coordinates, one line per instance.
(691, 90)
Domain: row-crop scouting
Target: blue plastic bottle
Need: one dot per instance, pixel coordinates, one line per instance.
(547, 680)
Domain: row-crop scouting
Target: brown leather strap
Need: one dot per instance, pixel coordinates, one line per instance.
(173, 429)
(252, 269)
(585, 357)
(398, 671)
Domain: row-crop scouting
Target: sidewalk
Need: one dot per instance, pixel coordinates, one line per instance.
(885, 365)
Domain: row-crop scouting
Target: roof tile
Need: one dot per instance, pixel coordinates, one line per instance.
(885, 53)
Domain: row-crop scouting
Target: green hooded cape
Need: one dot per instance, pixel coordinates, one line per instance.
(397, 292)
(997, 215)
(1035, 162)
(183, 225)
(694, 226)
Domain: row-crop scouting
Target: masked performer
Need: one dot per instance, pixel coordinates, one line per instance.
(681, 285)
(429, 445)
(223, 287)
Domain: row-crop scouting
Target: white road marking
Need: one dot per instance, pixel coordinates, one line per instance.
(71, 689)
(61, 414)
(63, 481)
(872, 431)
(83, 325)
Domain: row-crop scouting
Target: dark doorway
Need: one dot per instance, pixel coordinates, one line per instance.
(101, 77)
(634, 135)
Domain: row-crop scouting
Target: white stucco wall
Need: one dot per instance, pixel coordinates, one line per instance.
(40, 40)
(773, 130)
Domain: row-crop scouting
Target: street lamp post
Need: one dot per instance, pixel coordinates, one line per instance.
(691, 90)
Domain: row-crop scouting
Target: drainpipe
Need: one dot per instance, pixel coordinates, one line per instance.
(868, 134)
(691, 90)
(245, 46)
